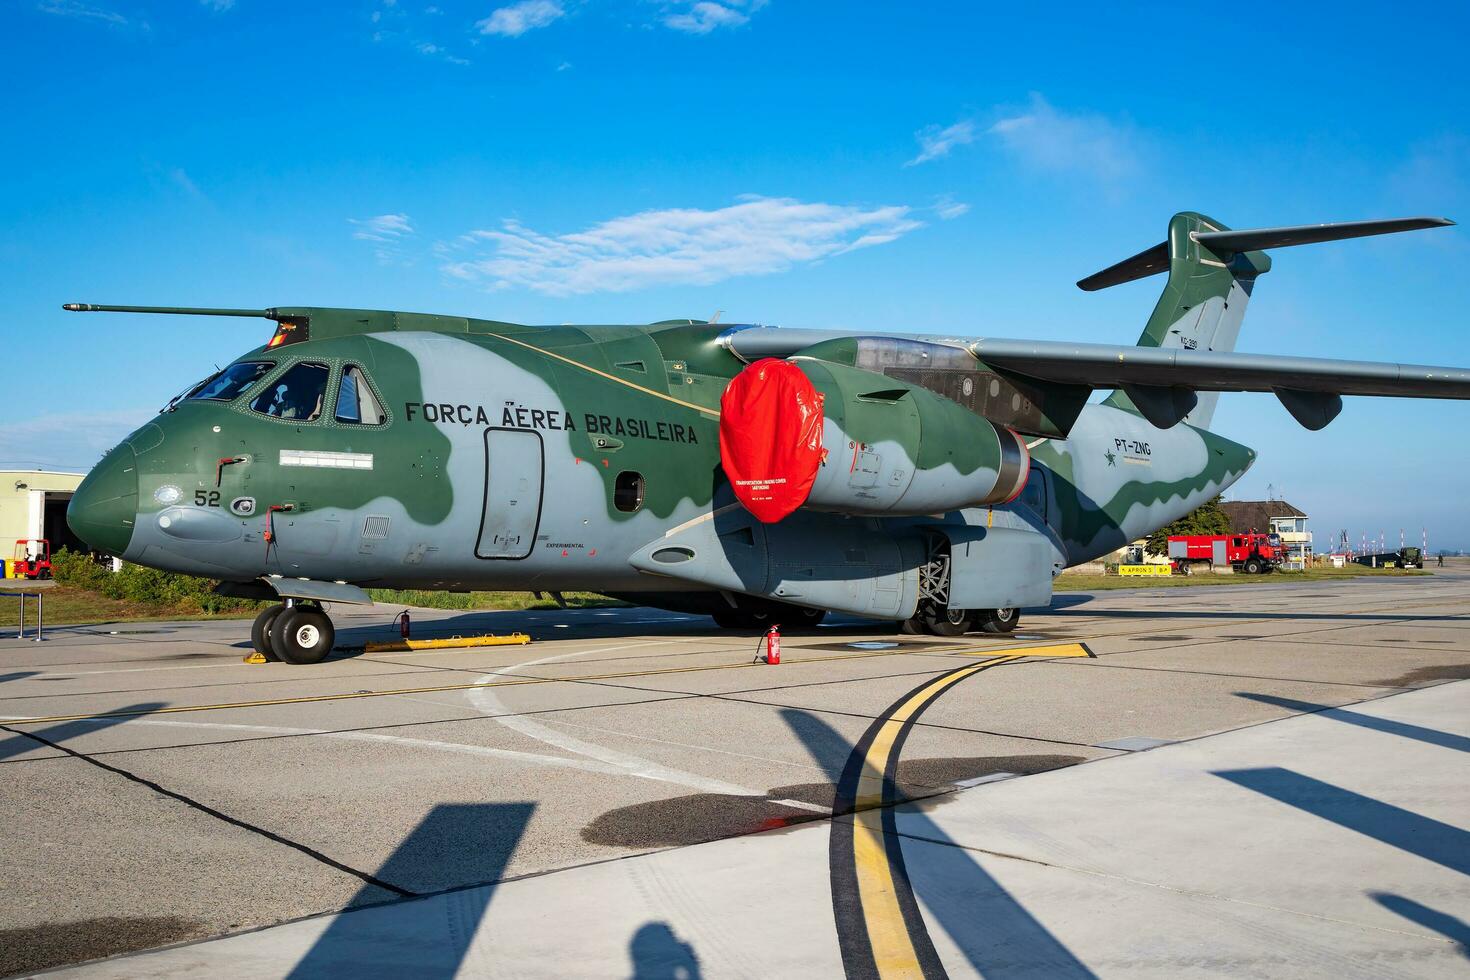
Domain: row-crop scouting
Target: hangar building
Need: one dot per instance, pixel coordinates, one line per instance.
(33, 505)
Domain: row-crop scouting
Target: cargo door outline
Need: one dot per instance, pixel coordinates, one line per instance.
(511, 513)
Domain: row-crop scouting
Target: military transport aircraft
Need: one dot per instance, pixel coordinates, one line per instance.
(752, 473)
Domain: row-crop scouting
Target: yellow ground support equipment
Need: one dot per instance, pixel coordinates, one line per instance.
(452, 643)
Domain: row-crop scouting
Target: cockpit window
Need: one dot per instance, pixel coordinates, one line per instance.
(231, 382)
(356, 403)
(296, 395)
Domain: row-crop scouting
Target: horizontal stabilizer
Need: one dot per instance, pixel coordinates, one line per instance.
(1247, 239)
(1146, 263)
(1224, 243)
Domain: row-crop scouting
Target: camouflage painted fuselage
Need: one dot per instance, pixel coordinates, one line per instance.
(541, 422)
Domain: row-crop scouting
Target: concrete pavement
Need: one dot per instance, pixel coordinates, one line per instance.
(585, 773)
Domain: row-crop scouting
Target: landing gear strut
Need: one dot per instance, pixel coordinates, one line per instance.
(293, 634)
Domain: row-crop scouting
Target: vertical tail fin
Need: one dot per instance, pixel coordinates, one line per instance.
(1212, 272)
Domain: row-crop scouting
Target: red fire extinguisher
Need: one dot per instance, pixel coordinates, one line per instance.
(773, 644)
(402, 622)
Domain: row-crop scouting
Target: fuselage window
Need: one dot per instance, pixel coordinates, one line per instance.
(232, 381)
(628, 491)
(356, 403)
(295, 395)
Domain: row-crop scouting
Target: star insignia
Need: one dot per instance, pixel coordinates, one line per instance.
(1112, 460)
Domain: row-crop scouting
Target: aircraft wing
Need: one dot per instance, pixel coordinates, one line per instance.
(1161, 380)
(1109, 366)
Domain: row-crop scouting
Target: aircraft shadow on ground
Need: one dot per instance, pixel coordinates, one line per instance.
(24, 740)
(1432, 736)
(431, 936)
(1422, 836)
(1443, 923)
(423, 938)
(1408, 831)
(990, 926)
(1386, 619)
(350, 638)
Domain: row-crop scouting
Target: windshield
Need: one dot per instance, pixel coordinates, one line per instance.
(231, 382)
(355, 401)
(297, 394)
(174, 401)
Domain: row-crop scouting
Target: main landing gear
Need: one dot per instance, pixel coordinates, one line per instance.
(942, 621)
(293, 632)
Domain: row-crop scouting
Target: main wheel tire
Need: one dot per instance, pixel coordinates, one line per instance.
(303, 635)
(913, 626)
(949, 622)
(1000, 620)
(1253, 567)
(260, 631)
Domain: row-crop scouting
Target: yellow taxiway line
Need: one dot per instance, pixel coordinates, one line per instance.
(882, 942)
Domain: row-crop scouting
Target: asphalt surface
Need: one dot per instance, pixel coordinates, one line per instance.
(296, 791)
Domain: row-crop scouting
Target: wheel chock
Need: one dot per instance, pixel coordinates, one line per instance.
(256, 658)
(451, 643)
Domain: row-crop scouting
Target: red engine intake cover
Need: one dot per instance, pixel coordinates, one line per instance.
(771, 437)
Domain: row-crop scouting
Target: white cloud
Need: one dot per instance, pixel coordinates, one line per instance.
(704, 16)
(685, 246)
(67, 440)
(433, 50)
(386, 231)
(1046, 139)
(80, 11)
(948, 208)
(518, 18)
(183, 182)
(936, 141)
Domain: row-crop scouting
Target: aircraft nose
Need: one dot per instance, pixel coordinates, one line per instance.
(104, 507)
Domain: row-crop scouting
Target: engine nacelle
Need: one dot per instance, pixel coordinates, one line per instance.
(886, 446)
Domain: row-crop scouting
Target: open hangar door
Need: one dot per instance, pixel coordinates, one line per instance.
(50, 522)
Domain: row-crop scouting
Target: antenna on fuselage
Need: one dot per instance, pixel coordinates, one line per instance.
(290, 329)
(186, 310)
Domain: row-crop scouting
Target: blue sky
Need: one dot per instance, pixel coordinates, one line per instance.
(862, 166)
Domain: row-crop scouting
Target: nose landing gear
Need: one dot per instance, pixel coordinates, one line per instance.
(295, 634)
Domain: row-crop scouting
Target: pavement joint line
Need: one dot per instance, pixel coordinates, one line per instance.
(1248, 677)
(459, 719)
(517, 681)
(204, 808)
(280, 679)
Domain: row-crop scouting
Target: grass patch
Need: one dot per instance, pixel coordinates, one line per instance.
(1069, 582)
(488, 600)
(68, 605)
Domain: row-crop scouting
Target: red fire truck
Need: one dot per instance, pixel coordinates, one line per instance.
(1252, 553)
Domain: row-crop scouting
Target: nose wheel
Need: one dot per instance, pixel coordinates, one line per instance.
(296, 634)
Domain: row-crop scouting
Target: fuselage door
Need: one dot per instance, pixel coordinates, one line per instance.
(515, 469)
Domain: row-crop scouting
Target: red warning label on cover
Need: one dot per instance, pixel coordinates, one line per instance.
(771, 437)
